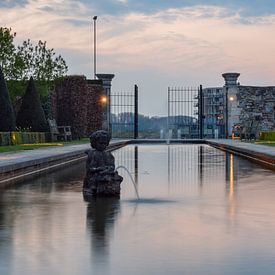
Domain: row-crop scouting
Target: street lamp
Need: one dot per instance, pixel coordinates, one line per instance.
(103, 100)
(94, 19)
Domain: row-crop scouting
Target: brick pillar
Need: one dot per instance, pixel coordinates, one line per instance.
(94, 106)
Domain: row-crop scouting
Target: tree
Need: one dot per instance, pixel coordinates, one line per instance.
(39, 62)
(7, 52)
(31, 114)
(26, 60)
(7, 119)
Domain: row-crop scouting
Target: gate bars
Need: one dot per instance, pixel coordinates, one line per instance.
(124, 114)
(185, 112)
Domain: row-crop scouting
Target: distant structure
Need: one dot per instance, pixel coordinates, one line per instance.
(238, 108)
(214, 121)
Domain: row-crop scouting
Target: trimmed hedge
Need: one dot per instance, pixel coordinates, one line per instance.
(5, 138)
(268, 135)
(15, 138)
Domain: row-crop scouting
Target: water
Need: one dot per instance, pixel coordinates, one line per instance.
(132, 180)
(200, 211)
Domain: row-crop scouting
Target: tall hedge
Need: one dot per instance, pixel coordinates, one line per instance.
(7, 118)
(31, 114)
(70, 104)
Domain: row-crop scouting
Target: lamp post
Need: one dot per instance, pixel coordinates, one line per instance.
(94, 19)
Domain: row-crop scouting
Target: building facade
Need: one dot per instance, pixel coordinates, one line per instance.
(236, 109)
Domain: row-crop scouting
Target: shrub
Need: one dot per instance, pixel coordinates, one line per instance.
(31, 114)
(7, 118)
(268, 135)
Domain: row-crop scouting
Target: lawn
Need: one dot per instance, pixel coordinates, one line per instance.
(13, 148)
(264, 142)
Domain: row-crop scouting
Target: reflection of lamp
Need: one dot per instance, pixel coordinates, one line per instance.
(231, 176)
(231, 98)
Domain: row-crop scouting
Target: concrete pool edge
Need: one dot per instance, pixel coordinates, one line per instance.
(261, 154)
(16, 171)
(27, 167)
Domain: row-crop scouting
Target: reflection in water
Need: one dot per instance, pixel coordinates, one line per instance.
(128, 158)
(194, 167)
(136, 165)
(202, 211)
(230, 185)
(101, 216)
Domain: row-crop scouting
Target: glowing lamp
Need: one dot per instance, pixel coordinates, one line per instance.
(103, 99)
(231, 98)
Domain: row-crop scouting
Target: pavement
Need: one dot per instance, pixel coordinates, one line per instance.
(11, 158)
(261, 153)
(14, 164)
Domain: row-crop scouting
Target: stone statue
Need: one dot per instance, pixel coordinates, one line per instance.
(101, 178)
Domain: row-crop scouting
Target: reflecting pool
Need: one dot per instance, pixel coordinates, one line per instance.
(201, 211)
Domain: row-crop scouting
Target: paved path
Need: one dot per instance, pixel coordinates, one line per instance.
(13, 162)
(46, 152)
(261, 153)
(257, 148)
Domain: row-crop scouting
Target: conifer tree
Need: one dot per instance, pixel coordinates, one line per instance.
(7, 118)
(31, 114)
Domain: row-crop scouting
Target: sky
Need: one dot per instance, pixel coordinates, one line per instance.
(154, 43)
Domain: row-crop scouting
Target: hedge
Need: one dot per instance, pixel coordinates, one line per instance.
(13, 138)
(268, 135)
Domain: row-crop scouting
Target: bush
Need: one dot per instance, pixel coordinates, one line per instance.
(5, 138)
(268, 135)
(16, 138)
(31, 114)
(7, 118)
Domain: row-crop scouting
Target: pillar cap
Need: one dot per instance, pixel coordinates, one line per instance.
(105, 76)
(231, 78)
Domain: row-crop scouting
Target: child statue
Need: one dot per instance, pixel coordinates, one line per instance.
(101, 178)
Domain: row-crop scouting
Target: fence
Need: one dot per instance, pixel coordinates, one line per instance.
(185, 112)
(124, 114)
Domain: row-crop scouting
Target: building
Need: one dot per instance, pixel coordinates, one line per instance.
(238, 109)
(213, 100)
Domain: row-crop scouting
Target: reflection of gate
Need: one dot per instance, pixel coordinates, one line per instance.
(185, 112)
(124, 114)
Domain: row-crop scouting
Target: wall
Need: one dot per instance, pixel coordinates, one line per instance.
(257, 105)
(75, 102)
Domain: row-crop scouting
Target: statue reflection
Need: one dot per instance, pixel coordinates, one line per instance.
(101, 216)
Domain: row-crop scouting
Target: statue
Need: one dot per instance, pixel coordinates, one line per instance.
(101, 178)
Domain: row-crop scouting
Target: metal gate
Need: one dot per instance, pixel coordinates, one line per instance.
(124, 114)
(185, 113)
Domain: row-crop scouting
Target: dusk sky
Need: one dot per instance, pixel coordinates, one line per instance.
(154, 43)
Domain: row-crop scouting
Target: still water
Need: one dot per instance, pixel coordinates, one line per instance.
(201, 211)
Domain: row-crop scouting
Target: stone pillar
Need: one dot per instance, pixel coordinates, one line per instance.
(95, 91)
(107, 80)
(231, 89)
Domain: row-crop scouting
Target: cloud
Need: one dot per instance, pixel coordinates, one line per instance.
(12, 3)
(244, 7)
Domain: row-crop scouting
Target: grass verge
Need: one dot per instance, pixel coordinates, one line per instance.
(14, 148)
(264, 142)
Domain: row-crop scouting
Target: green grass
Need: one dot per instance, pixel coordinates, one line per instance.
(264, 142)
(14, 148)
